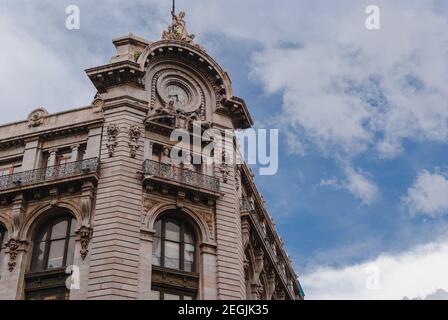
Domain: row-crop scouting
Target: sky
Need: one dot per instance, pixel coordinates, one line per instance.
(361, 195)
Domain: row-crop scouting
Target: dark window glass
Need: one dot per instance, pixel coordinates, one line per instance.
(174, 245)
(54, 244)
(3, 239)
(53, 251)
(174, 274)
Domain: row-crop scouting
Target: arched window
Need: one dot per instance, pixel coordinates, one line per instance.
(53, 252)
(3, 239)
(174, 259)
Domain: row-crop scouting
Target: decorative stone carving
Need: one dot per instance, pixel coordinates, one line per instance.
(246, 263)
(88, 193)
(14, 246)
(271, 284)
(112, 133)
(238, 181)
(134, 137)
(166, 159)
(36, 118)
(178, 29)
(225, 170)
(98, 104)
(85, 235)
(259, 291)
(208, 218)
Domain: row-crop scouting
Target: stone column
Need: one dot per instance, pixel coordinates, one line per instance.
(230, 252)
(145, 265)
(13, 271)
(51, 163)
(52, 159)
(12, 279)
(80, 273)
(75, 153)
(115, 247)
(209, 289)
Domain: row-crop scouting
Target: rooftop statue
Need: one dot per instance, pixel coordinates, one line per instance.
(178, 30)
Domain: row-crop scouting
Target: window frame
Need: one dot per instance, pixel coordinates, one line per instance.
(177, 292)
(167, 280)
(3, 238)
(47, 226)
(3, 235)
(183, 226)
(43, 283)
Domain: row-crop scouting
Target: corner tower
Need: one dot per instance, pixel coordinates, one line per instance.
(101, 190)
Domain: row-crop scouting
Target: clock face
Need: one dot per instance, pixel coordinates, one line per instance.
(178, 95)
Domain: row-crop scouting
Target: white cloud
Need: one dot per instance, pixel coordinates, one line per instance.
(361, 186)
(34, 75)
(43, 63)
(428, 195)
(349, 90)
(415, 273)
(357, 183)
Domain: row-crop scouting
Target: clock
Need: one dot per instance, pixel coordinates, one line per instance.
(177, 95)
(179, 89)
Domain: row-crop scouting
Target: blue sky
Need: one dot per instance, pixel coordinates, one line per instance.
(362, 115)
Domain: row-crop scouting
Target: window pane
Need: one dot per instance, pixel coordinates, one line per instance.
(188, 236)
(73, 227)
(3, 237)
(158, 228)
(169, 296)
(2, 258)
(188, 257)
(59, 230)
(42, 235)
(172, 231)
(157, 252)
(38, 256)
(70, 251)
(172, 250)
(56, 255)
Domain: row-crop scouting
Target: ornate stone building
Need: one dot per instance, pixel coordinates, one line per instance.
(94, 192)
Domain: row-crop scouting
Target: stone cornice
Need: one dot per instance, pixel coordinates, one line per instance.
(48, 132)
(119, 73)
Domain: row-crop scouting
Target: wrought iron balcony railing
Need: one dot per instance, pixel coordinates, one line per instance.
(179, 175)
(64, 171)
(246, 205)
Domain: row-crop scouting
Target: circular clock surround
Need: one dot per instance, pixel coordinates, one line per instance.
(181, 89)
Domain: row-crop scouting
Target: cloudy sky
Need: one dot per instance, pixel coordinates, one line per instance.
(361, 196)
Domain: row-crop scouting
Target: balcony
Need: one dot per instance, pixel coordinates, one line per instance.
(246, 205)
(50, 175)
(172, 178)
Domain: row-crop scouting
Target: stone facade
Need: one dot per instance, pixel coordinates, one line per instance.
(107, 165)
